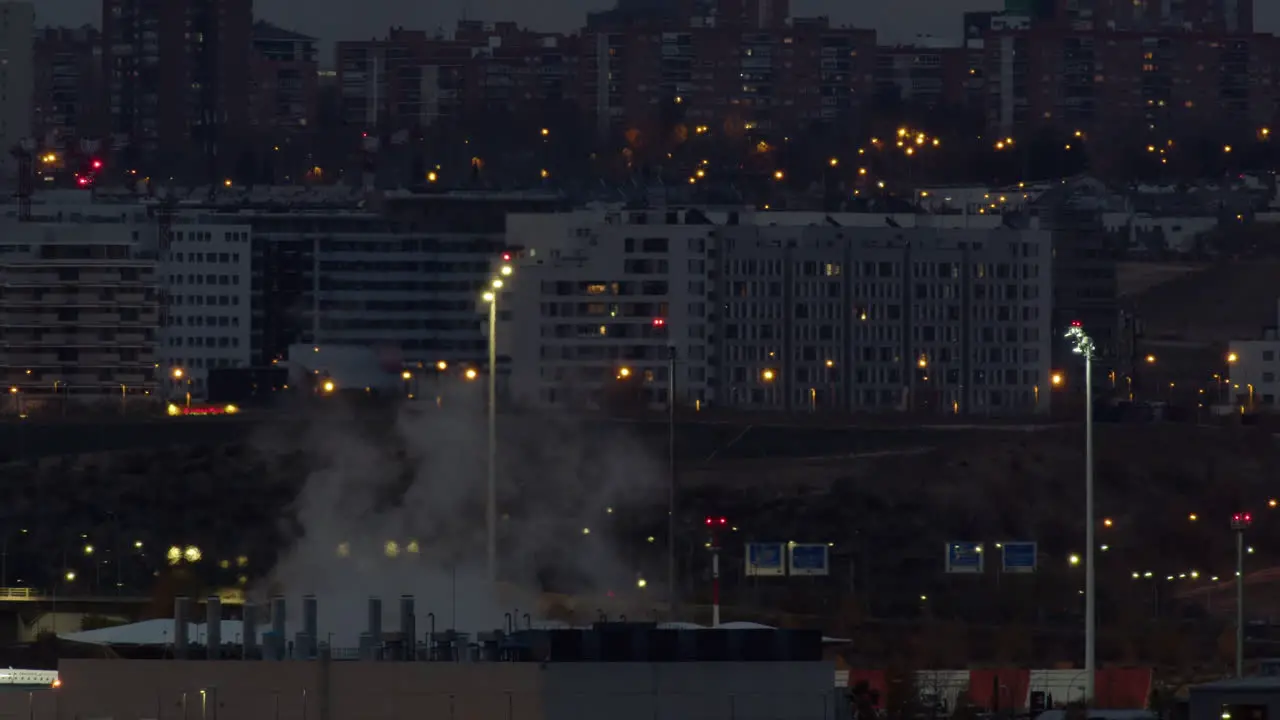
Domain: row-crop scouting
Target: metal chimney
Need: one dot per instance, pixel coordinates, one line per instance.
(213, 627)
(408, 628)
(180, 627)
(277, 627)
(375, 624)
(375, 619)
(310, 624)
(249, 629)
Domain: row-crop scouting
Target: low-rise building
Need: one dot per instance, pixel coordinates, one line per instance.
(1253, 378)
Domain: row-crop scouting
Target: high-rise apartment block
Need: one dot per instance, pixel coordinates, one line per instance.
(177, 76)
(17, 27)
(69, 97)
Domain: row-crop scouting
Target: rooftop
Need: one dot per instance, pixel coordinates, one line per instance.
(1249, 684)
(263, 30)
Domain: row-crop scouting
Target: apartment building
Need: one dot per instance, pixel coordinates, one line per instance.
(759, 77)
(17, 28)
(1155, 79)
(410, 79)
(79, 315)
(177, 75)
(883, 318)
(68, 87)
(780, 311)
(332, 267)
(598, 301)
(207, 275)
(285, 79)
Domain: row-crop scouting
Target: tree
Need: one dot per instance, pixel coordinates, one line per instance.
(902, 696)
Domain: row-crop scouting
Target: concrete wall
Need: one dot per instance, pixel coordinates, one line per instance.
(196, 690)
(685, 691)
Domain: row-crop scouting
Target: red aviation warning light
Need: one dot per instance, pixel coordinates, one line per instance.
(96, 164)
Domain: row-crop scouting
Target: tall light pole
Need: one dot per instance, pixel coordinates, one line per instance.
(672, 593)
(1239, 523)
(491, 494)
(1083, 345)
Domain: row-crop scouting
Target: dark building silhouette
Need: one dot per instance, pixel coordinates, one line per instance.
(177, 76)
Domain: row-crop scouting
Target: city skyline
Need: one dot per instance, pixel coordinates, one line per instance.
(897, 22)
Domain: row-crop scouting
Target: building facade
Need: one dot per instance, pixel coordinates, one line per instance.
(285, 79)
(207, 276)
(17, 28)
(68, 87)
(177, 76)
(80, 313)
(412, 80)
(600, 299)
(879, 318)
(1115, 85)
(779, 311)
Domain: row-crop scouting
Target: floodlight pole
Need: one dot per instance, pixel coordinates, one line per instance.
(1083, 345)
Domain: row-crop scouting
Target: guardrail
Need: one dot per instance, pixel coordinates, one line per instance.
(19, 593)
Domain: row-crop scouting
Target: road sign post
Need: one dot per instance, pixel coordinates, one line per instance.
(809, 559)
(964, 557)
(765, 560)
(1018, 557)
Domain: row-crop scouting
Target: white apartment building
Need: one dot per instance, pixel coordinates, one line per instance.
(17, 78)
(79, 314)
(597, 299)
(1253, 377)
(207, 274)
(780, 311)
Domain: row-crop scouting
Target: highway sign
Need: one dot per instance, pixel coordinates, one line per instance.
(964, 557)
(1018, 557)
(765, 559)
(809, 559)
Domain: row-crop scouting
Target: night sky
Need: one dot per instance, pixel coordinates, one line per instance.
(898, 21)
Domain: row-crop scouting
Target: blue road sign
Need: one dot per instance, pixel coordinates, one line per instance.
(1018, 557)
(809, 559)
(765, 559)
(964, 557)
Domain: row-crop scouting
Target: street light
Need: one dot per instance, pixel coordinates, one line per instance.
(1239, 523)
(1083, 345)
(491, 500)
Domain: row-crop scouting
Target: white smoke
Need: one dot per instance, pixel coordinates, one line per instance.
(396, 507)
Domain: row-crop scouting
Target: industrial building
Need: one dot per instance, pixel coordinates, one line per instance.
(625, 670)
